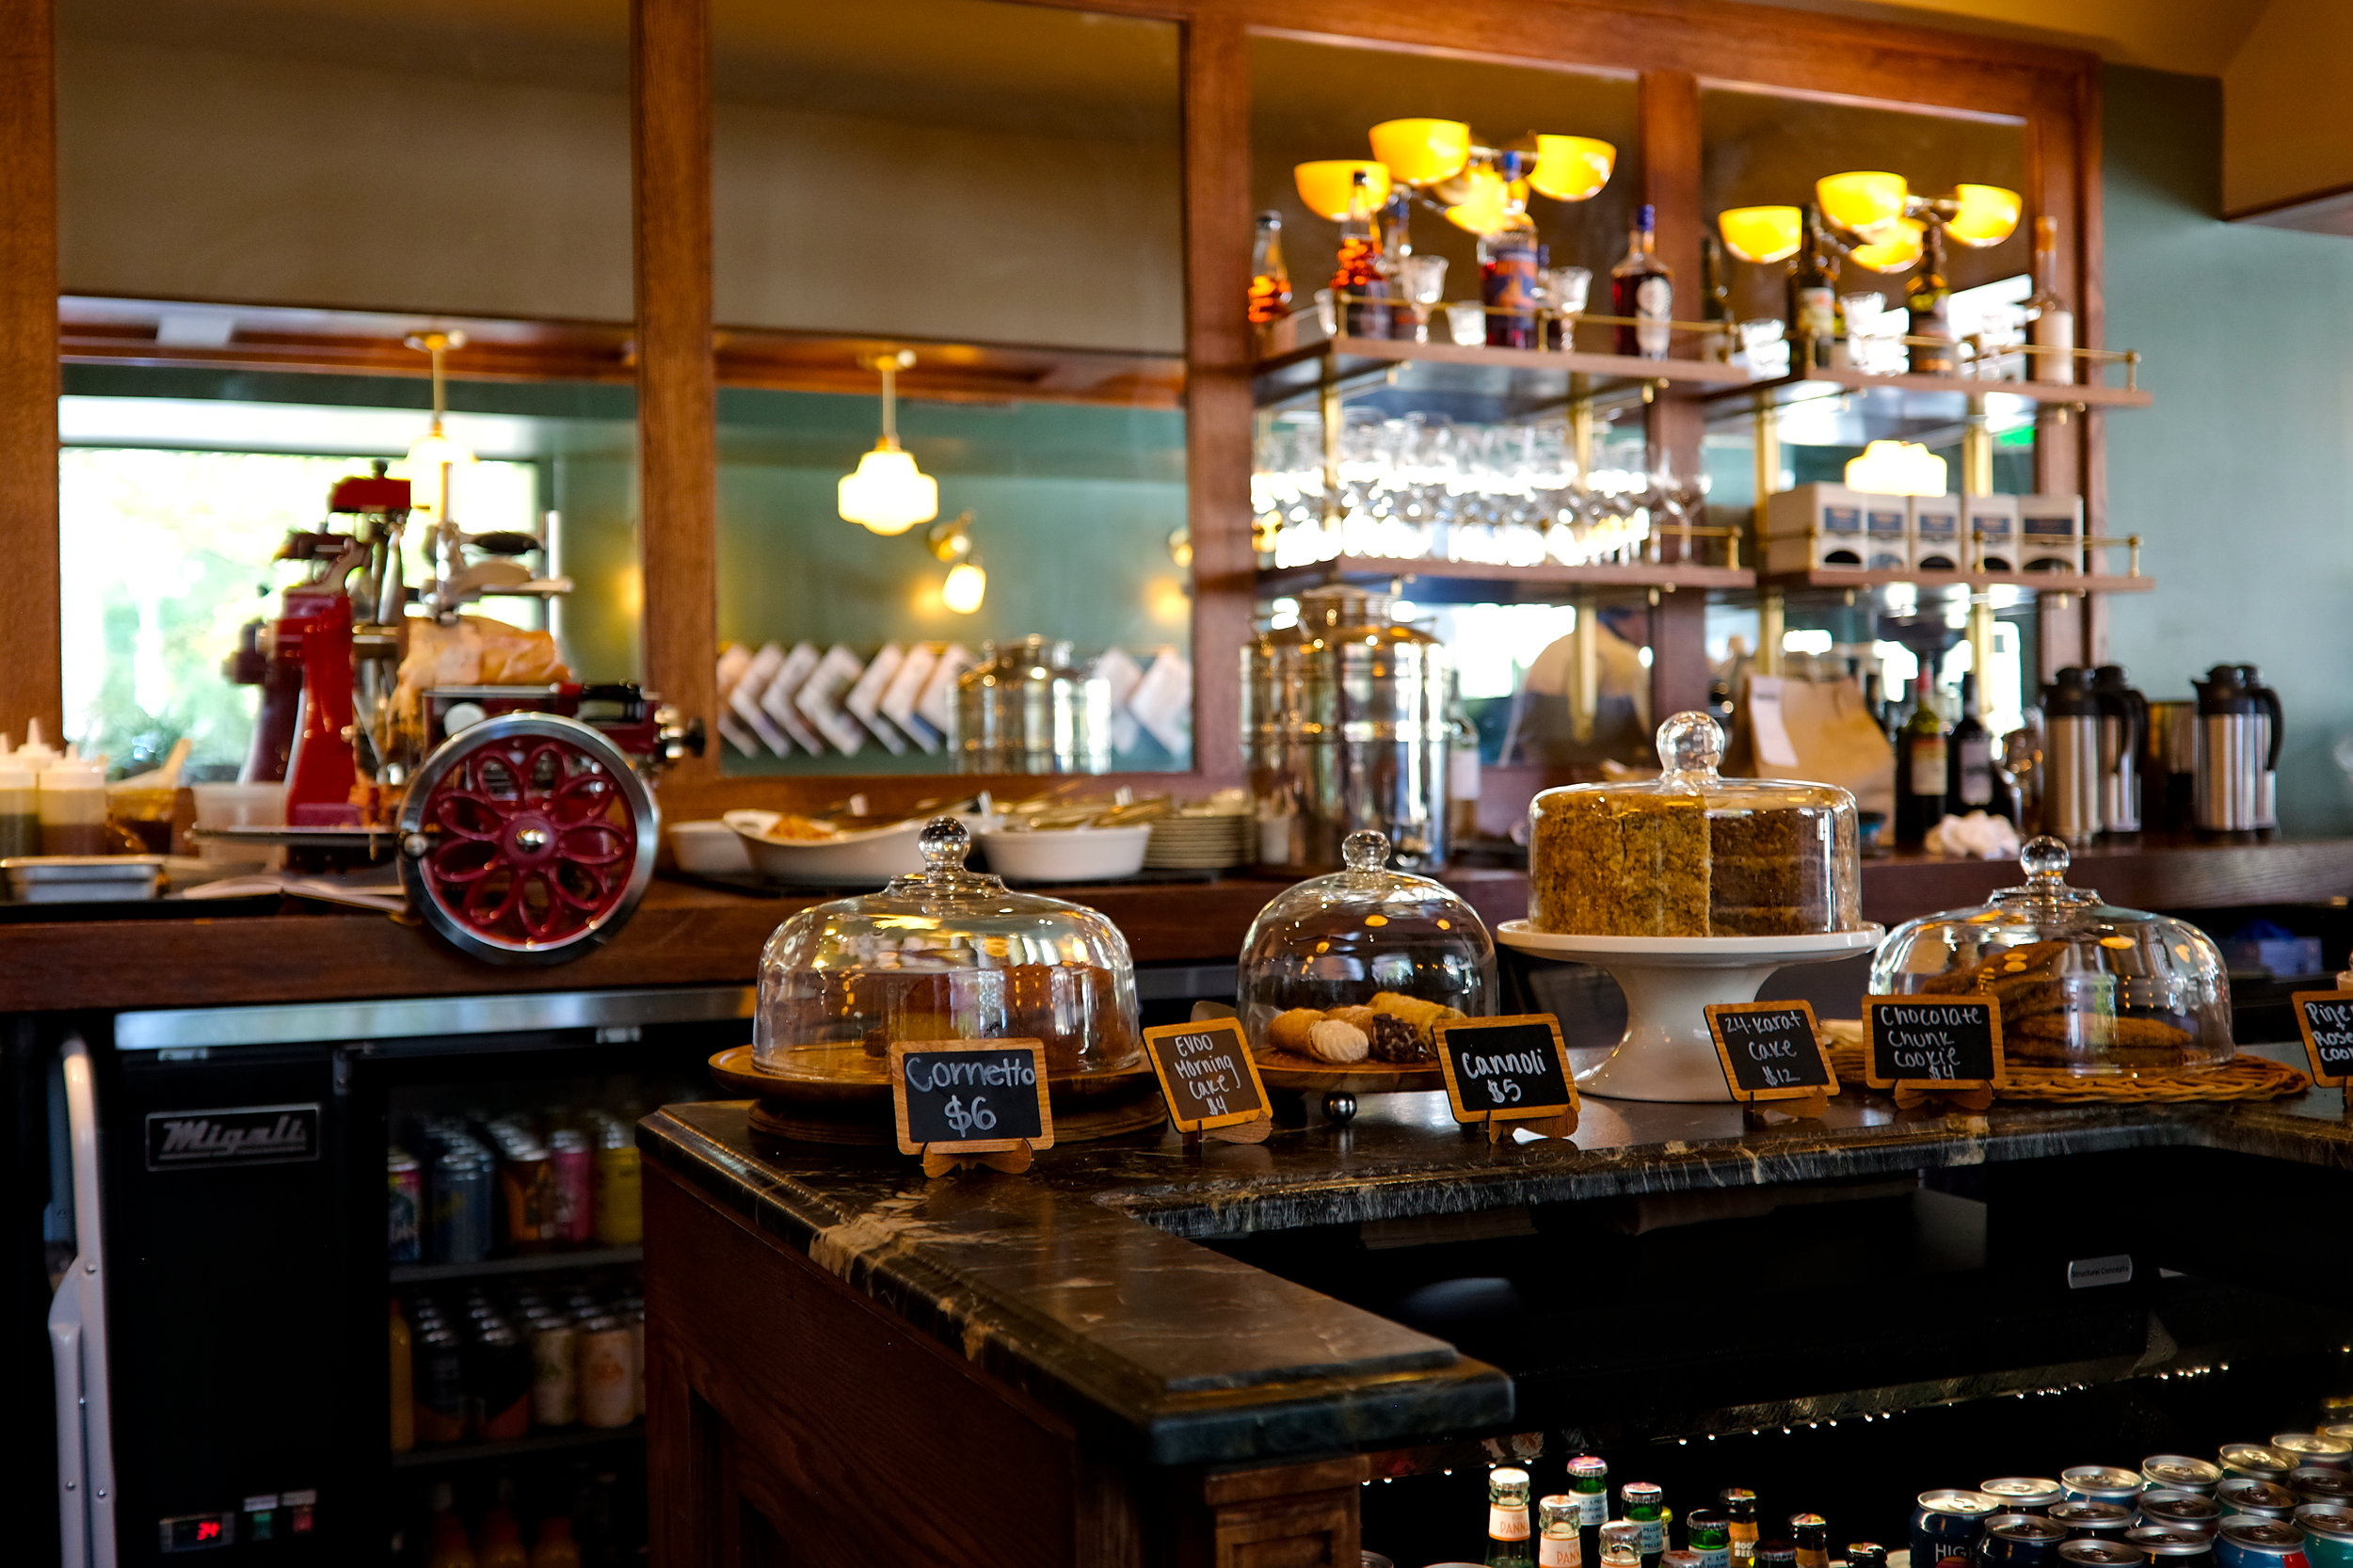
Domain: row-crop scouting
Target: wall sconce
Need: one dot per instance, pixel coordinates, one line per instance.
(967, 583)
(1478, 188)
(1871, 217)
(435, 454)
(888, 494)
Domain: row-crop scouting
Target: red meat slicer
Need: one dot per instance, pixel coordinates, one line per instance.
(521, 816)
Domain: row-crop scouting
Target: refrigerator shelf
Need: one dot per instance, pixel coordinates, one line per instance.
(530, 1263)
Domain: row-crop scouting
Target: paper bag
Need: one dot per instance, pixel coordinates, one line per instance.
(1789, 726)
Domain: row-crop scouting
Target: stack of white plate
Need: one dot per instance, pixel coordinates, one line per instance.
(1199, 842)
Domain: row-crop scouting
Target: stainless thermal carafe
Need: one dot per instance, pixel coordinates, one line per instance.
(1344, 725)
(2123, 728)
(2070, 757)
(2239, 752)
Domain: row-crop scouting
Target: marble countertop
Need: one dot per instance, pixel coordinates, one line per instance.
(1080, 1282)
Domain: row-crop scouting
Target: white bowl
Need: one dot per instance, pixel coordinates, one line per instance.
(1067, 853)
(708, 849)
(877, 854)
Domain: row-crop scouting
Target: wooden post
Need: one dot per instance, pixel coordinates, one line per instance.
(30, 673)
(1670, 182)
(677, 375)
(1216, 381)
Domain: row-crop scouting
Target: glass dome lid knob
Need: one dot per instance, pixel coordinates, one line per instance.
(1690, 742)
(2045, 861)
(944, 843)
(1365, 851)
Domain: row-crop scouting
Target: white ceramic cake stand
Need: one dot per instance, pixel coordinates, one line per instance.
(1668, 1054)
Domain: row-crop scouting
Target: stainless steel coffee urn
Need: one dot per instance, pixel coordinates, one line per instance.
(2239, 752)
(2123, 728)
(2070, 757)
(1344, 727)
(1031, 707)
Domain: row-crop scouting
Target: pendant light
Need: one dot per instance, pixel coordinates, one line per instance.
(888, 494)
(435, 454)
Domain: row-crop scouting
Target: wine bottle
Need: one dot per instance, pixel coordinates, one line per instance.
(1511, 269)
(1269, 280)
(1920, 765)
(1969, 757)
(1360, 282)
(2049, 323)
(1642, 288)
(1814, 291)
(1930, 302)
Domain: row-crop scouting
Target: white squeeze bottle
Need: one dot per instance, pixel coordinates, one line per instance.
(72, 805)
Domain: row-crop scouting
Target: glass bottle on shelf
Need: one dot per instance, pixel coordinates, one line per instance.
(1645, 1504)
(1508, 1531)
(1968, 780)
(1740, 1508)
(2049, 323)
(1560, 1533)
(1622, 1544)
(1814, 291)
(1810, 1534)
(1642, 289)
(1511, 271)
(1269, 280)
(1589, 1482)
(1920, 764)
(1929, 299)
(1360, 282)
(1707, 1531)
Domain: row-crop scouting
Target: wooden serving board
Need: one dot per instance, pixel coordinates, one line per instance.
(1280, 1069)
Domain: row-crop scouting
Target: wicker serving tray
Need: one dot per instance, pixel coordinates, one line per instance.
(2243, 1078)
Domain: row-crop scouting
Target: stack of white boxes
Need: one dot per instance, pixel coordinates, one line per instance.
(2051, 533)
(1992, 525)
(1938, 543)
(1831, 525)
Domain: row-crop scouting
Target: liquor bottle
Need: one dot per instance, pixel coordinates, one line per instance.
(1269, 280)
(1716, 305)
(1930, 303)
(1360, 282)
(1511, 274)
(1644, 1503)
(1589, 1482)
(2049, 323)
(1508, 1529)
(1560, 1532)
(1814, 291)
(1641, 287)
(1969, 754)
(1810, 1534)
(1920, 766)
(1707, 1531)
(1740, 1508)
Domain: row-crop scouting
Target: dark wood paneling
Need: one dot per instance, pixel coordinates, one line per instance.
(29, 656)
(677, 378)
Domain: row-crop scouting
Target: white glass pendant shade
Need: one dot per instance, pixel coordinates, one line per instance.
(888, 494)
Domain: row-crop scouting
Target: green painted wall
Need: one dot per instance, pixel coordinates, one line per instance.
(2241, 477)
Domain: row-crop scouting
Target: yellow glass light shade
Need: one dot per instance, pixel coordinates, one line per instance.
(1325, 185)
(1863, 202)
(434, 454)
(1896, 250)
(1422, 152)
(966, 585)
(1571, 168)
(1762, 233)
(1983, 214)
(888, 494)
(1486, 206)
(1896, 467)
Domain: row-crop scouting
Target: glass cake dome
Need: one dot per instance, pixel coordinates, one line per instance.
(1371, 957)
(943, 955)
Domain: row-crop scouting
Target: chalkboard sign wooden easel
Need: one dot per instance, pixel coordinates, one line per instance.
(1934, 1046)
(961, 1102)
(1508, 1072)
(1773, 1051)
(1211, 1081)
(2324, 1018)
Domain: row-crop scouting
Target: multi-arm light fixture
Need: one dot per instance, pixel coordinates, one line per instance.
(1875, 220)
(1479, 188)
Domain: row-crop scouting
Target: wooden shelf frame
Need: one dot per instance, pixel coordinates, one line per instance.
(1670, 47)
(1505, 584)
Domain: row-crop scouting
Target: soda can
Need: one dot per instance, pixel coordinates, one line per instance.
(440, 1370)
(620, 1206)
(2260, 1461)
(2089, 1520)
(2314, 1448)
(2250, 1542)
(2312, 1483)
(461, 1205)
(2101, 1483)
(2262, 1499)
(2183, 1511)
(499, 1382)
(2020, 1540)
(403, 1177)
(607, 1392)
(1947, 1523)
(555, 1372)
(2341, 1431)
(573, 1180)
(2166, 1548)
(1865, 1553)
(525, 1196)
(2181, 1473)
(2328, 1534)
(2023, 1493)
(2089, 1553)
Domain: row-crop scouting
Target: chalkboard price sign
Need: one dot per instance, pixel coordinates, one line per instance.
(2326, 1020)
(970, 1097)
(1933, 1042)
(1771, 1050)
(1509, 1069)
(1206, 1075)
